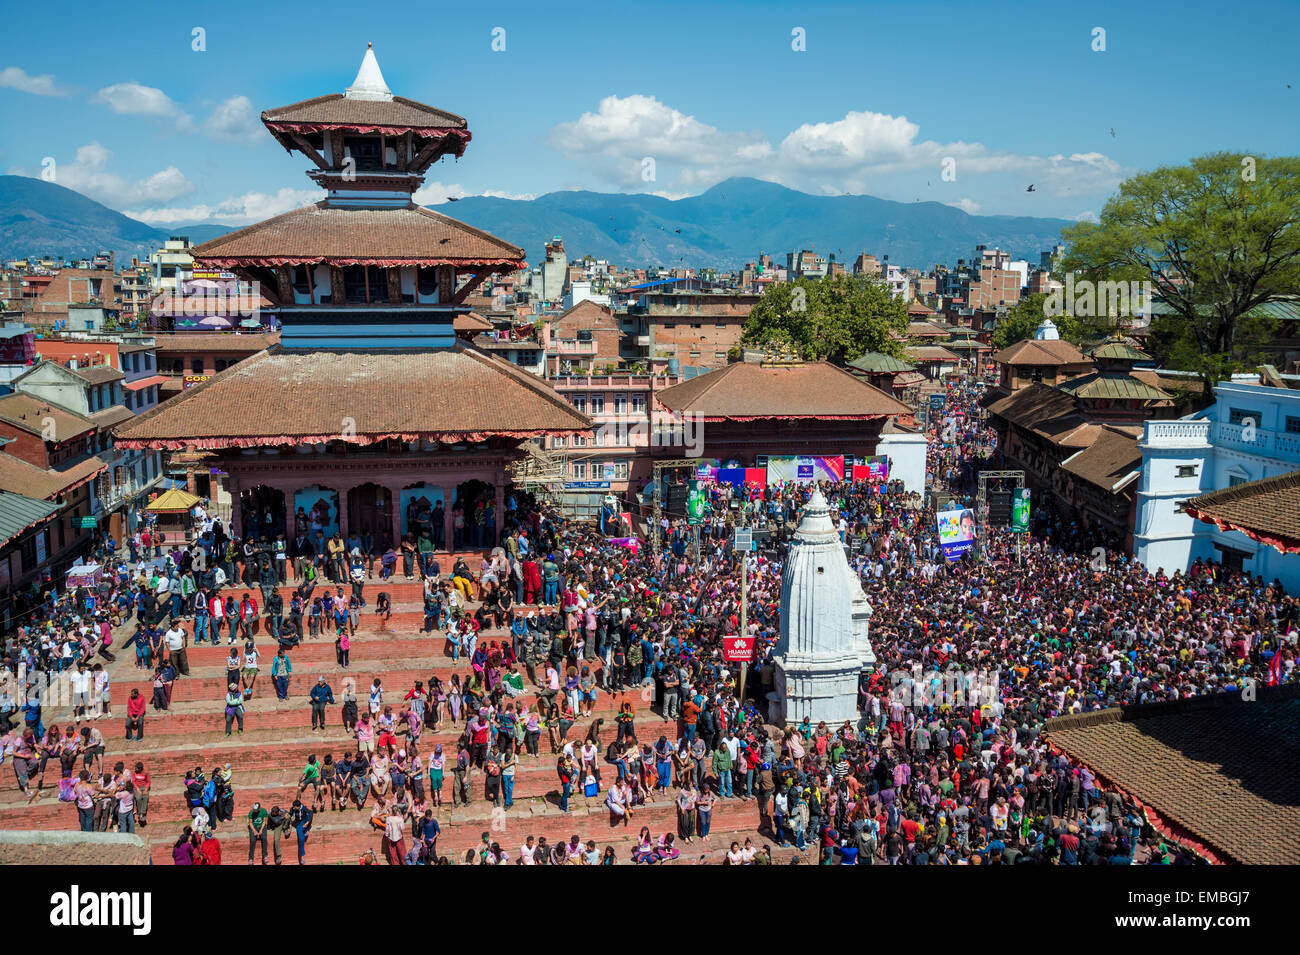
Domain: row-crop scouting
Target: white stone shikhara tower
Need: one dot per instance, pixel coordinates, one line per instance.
(824, 614)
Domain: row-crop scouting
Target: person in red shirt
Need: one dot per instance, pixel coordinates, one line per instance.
(211, 848)
(140, 779)
(135, 707)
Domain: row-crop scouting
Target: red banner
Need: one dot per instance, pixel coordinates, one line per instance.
(738, 649)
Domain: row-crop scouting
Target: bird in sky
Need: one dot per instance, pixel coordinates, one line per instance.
(1029, 188)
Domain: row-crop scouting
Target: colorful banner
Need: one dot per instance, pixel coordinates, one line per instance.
(695, 503)
(733, 476)
(956, 531)
(1020, 510)
(631, 543)
(804, 468)
(872, 469)
(756, 476)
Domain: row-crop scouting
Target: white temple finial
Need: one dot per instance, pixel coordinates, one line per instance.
(369, 84)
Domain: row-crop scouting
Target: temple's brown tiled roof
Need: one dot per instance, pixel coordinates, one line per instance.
(348, 236)
(1112, 457)
(744, 390)
(1217, 770)
(924, 353)
(1039, 408)
(27, 479)
(278, 397)
(1034, 351)
(112, 415)
(471, 322)
(335, 109)
(1267, 511)
(925, 329)
(183, 343)
(98, 374)
(31, 415)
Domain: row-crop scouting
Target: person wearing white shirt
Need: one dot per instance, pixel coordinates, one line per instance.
(80, 679)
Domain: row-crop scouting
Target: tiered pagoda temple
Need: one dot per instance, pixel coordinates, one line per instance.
(371, 410)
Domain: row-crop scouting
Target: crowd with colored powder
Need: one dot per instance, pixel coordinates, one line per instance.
(947, 763)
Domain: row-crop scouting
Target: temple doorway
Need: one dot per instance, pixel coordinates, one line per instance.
(261, 512)
(475, 502)
(370, 514)
(316, 508)
(422, 512)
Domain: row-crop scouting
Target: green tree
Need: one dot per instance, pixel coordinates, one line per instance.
(1023, 319)
(837, 319)
(1216, 239)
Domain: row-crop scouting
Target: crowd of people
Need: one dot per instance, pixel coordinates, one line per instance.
(559, 630)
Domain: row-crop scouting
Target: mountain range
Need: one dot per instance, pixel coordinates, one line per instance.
(725, 226)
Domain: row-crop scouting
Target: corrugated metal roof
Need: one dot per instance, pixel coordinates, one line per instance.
(18, 513)
(878, 363)
(1285, 310)
(1123, 387)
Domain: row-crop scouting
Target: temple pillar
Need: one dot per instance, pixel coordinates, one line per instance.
(395, 493)
(499, 506)
(236, 508)
(448, 519)
(345, 503)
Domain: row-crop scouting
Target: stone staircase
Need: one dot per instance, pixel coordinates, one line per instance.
(268, 757)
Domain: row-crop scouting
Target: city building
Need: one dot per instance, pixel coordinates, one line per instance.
(750, 410)
(582, 339)
(1231, 458)
(691, 327)
(370, 400)
(172, 265)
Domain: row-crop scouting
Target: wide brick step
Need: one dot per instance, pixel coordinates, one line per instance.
(265, 712)
(261, 748)
(534, 779)
(333, 842)
(420, 661)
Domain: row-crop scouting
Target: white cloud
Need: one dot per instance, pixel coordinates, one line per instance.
(88, 174)
(15, 78)
(968, 206)
(235, 121)
(860, 152)
(134, 99)
(435, 193)
(235, 210)
(625, 130)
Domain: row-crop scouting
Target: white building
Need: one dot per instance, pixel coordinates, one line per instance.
(1251, 432)
(172, 264)
(824, 641)
(581, 292)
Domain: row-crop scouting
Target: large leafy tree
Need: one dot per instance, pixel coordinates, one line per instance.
(1023, 319)
(837, 319)
(1216, 239)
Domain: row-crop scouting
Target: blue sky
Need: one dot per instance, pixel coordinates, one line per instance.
(880, 97)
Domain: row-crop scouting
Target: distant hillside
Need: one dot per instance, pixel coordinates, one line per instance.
(734, 221)
(726, 226)
(42, 218)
